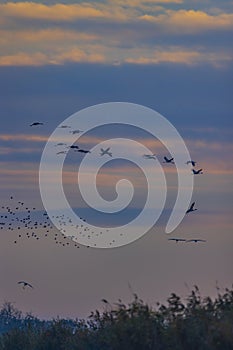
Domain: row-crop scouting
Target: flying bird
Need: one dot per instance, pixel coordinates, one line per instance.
(149, 156)
(74, 147)
(195, 240)
(61, 144)
(76, 131)
(177, 239)
(83, 151)
(62, 152)
(196, 172)
(191, 208)
(104, 301)
(36, 123)
(168, 160)
(64, 126)
(25, 284)
(191, 162)
(105, 151)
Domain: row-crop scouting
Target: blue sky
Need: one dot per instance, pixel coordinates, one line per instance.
(172, 56)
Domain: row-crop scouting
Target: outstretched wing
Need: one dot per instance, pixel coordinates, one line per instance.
(192, 206)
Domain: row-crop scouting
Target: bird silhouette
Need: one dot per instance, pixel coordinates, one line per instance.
(83, 151)
(195, 240)
(25, 284)
(191, 162)
(149, 156)
(196, 172)
(177, 239)
(76, 131)
(62, 152)
(64, 126)
(73, 147)
(167, 160)
(104, 301)
(105, 151)
(36, 124)
(191, 208)
(61, 144)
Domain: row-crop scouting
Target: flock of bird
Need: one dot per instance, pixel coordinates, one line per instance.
(34, 224)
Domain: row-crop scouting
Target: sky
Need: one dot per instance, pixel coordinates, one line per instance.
(173, 56)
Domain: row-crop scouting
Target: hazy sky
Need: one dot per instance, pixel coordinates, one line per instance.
(173, 56)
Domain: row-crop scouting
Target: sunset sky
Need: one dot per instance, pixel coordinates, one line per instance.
(173, 56)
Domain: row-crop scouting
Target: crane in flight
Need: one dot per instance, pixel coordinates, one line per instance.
(64, 126)
(149, 156)
(196, 172)
(73, 147)
(105, 151)
(177, 239)
(191, 162)
(25, 284)
(84, 151)
(36, 124)
(76, 131)
(195, 240)
(191, 208)
(167, 160)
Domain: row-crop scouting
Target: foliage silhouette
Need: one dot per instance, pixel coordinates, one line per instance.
(196, 324)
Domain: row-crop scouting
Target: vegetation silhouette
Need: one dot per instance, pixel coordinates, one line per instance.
(199, 323)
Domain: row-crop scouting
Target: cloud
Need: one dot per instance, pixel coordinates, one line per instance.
(111, 32)
(44, 36)
(190, 21)
(101, 55)
(23, 137)
(57, 12)
(40, 59)
(181, 56)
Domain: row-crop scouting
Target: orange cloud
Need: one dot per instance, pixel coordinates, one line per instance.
(187, 57)
(40, 59)
(58, 12)
(23, 137)
(190, 21)
(43, 36)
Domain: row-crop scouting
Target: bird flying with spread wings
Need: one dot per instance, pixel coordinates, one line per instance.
(191, 162)
(191, 208)
(149, 156)
(167, 160)
(105, 151)
(177, 239)
(196, 172)
(25, 284)
(195, 240)
(36, 124)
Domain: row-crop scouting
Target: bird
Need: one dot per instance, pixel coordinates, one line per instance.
(61, 144)
(195, 240)
(83, 151)
(105, 151)
(196, 172)
(177, 239)
(73, 147)
(149, 156)
(168, 160)
(104, 301)
(36, 123)
(62, 152)
(191, 208)
(76, 131)
(191, 162)
(25, 284)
